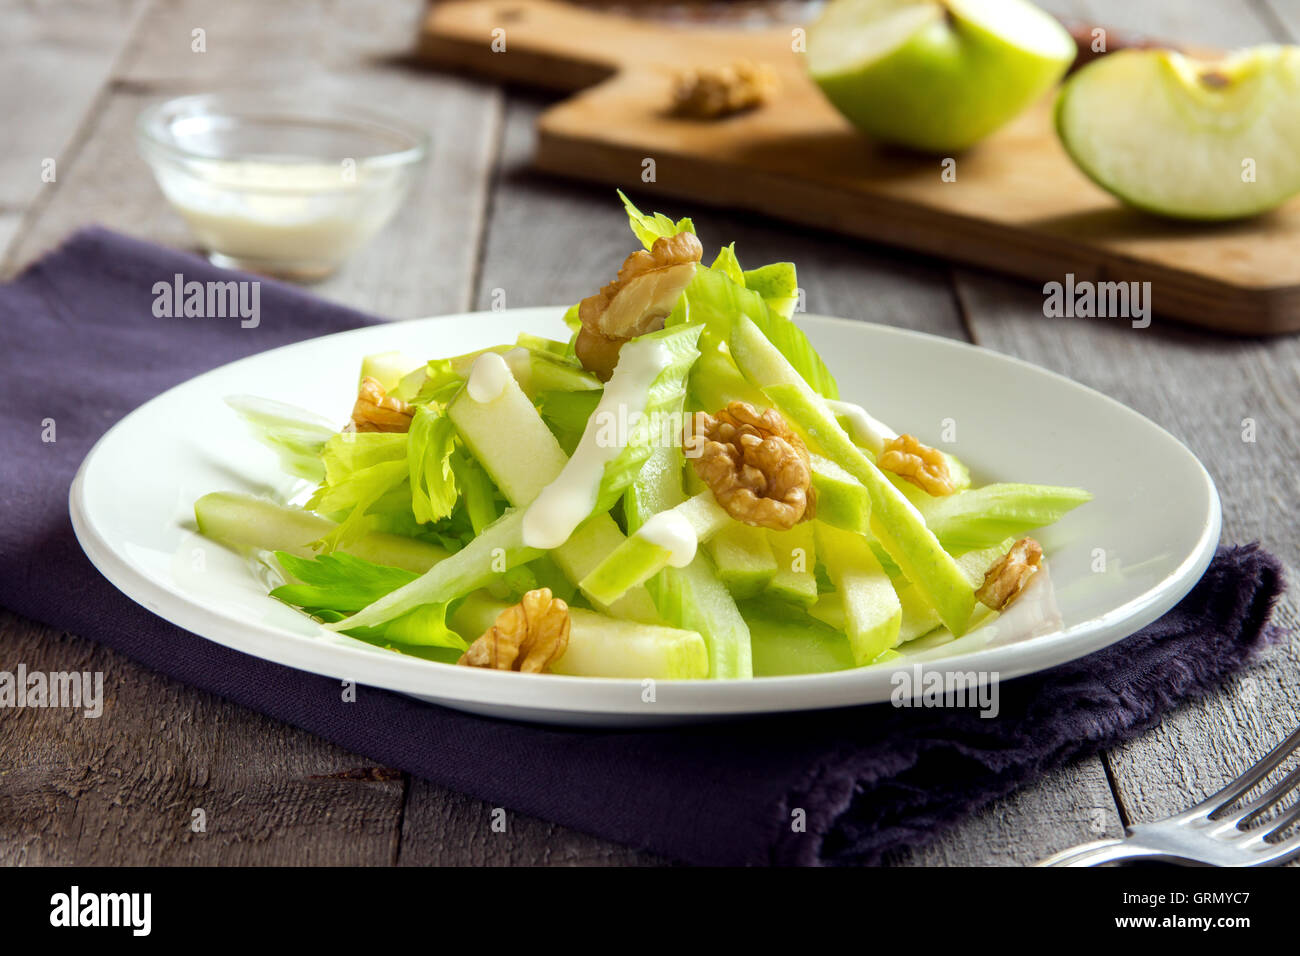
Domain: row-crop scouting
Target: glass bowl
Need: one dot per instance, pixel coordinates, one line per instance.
(284, 186)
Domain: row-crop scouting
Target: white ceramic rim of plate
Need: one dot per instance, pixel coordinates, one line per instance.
(537, 696)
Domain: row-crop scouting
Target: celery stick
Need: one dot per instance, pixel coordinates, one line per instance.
(796, 559)
(498, 549)
(786, 641)
(985, 516)
(509, 439)
(872, 613)
(245, 521)
(601, 646)
(894, 520)
(637, 559)
(691, 597)
(744, 559)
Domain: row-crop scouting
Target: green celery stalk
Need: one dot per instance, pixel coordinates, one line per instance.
(245, 521)
(498, 549)
(787, 641)
(985, 516)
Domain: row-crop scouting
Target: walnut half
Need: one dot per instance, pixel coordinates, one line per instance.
(1004, 582)
(717, 91)
(919, 464)
(377, 411)
(649, 284)
(527, 637)
(757, 468)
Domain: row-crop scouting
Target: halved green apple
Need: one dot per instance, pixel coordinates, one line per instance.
(935, 75)
(1187, 138)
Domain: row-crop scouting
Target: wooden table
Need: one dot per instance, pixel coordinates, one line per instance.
(120, 790)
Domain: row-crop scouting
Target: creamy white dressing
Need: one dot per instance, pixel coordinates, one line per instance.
(672, 531)
(863, 428)
(520, 361)
(488, 377)
(567, 501)
(281, 211)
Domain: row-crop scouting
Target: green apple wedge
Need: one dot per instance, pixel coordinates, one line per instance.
(1185, 138)
(935, 75)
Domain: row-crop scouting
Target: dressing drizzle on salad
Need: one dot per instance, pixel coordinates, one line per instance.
(567, 501)
(673, 532)
(487, 378)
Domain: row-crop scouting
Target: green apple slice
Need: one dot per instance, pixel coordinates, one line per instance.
(935, 75)
(1188, 138)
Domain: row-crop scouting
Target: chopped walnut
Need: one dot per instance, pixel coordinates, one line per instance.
(376, 411)
(527, 637)
(648, 286)
(717, 91)
(757, 468)
(1009, 575)
(920, 464)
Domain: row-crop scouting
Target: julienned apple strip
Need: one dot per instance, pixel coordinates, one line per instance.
(637, 559)
(509, 439)
(919, 617)
(796, 560)
(744, 559)
(894, 520)
(872, 614)
(601, 646)
(691, 597)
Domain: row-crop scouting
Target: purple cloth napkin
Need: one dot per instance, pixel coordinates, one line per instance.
(82, 346)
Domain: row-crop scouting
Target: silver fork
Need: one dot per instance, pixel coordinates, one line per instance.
(1204, 835)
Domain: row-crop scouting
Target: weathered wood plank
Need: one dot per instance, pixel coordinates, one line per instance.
(443, 828)
(123, 788)
(113, 790)
(54, 60)
(1202, 388)
(1071, 806)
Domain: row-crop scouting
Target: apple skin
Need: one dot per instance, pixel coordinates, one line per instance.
(949, 85)
(1207, 204)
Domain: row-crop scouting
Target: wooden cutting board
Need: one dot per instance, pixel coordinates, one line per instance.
(1017, 205)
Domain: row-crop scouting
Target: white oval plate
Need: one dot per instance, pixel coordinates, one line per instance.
(1117, 563)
